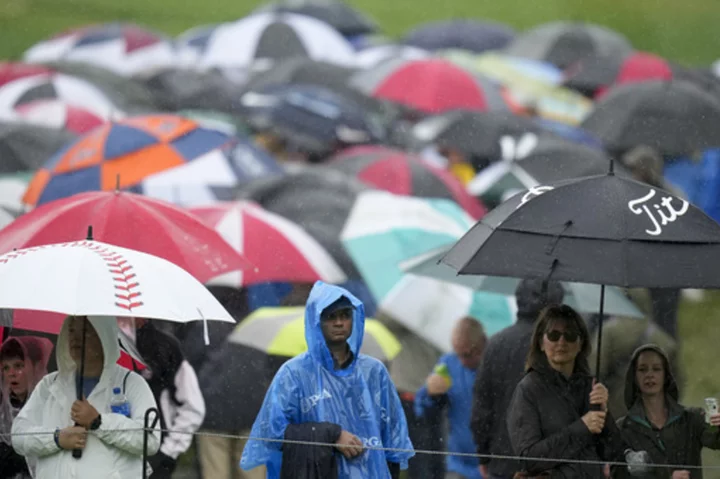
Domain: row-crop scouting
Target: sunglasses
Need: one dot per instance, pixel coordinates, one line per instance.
(554, 336)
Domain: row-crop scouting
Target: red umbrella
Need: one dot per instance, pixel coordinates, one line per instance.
(431, 86)
(131, 221)
(279, 249)
(403, 174)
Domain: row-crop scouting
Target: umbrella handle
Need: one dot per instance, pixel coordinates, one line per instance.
(146, 427)
(601, 314)
(77, 453)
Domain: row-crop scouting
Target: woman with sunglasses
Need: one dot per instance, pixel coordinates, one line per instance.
(558, 412)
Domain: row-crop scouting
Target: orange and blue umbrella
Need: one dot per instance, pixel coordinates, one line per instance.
(122, 154)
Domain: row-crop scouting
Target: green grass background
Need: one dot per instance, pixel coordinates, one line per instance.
(683, 30)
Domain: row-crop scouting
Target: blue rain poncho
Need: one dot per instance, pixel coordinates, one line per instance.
(360, 398)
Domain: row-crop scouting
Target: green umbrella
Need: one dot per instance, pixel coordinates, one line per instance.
(581, 296)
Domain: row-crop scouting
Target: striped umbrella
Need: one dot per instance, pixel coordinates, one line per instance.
(280, 250)
(432, 86)
(263, 38)
(281, 332)
(383, 230)
(133, 152)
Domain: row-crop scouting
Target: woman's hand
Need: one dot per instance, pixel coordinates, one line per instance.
(681, 475)
(599, 396)
(715, 420)
(595, 421)
(73, 437)
(349, 445)
(83, 413)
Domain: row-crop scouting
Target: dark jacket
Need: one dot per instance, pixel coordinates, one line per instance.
(300, 461)
(501, 370)
(544, 421)
(679, 441)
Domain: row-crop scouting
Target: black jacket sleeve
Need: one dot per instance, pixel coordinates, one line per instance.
(611, 446)
(483, 417)
(302, 461)
(524, 428)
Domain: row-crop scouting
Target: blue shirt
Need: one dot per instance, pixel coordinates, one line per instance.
(460, 399)
(88, 385)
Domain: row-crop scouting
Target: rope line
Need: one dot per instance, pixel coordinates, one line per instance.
(391, 449)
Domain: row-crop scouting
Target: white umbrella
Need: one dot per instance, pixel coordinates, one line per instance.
(90, 278)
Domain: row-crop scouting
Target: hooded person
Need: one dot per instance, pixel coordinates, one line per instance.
(502, 368)
(656, 423)
(24, 363)
(331, 394)
(111, 443)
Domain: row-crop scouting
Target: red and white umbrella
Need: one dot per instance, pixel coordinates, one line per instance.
(60, 115)
(279, 249)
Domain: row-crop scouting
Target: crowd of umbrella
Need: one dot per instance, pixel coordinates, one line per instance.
(151, 141)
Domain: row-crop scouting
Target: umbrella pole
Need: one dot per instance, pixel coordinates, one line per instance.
(601, 314)
(77, 453)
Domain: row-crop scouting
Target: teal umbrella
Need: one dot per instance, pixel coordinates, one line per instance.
(383, 230)
(581, 296)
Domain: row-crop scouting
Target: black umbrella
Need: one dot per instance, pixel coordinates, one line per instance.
(606, 230)
(471, 35)
(180, 89)
(674, 117)
(26, 147)
(339, 15)
(317, 199)
(476, 134)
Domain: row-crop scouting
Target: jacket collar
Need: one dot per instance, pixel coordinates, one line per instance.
(637, 412)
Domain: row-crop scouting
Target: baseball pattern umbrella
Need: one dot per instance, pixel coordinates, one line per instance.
(267, 37)
(123, 48)
(338, 14)
(564, 43)
(397, 172)
(122, 154)
(25, 147)
(281, 332)
(59, 115)
(430, 86)
(676, 118)
(280, 250)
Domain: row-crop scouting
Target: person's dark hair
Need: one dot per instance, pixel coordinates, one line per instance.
(573, 320)
(12, 349)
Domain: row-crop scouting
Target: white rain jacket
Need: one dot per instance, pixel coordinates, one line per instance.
(110, 452)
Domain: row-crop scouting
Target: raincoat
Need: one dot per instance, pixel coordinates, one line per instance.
(35, 354)
(679, 441)
(360, 398)
(109, 452)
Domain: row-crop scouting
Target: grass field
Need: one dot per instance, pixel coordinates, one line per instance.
(685, 30)
(679, 29)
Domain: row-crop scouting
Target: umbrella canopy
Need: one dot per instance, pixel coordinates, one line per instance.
(55, 86)
(581, 296)
(123, 48)
(602, 229)
(339, 15)
(280, 250)
(564, 43)
(167, 231)
(26, 147)
(372, 56)
(127, 94)
(191, 44)
(281, 332)
(400, 173)
(60, 115)
(100, 279)
(269, 37)
(471, 35)
(180, 88)
(315, 198)
(122, 154)
(382, 231)
(530, 160)
(675, 118)
(312, 118)
(12, 187)
(474, 133)
(593, 75)
(431, 86)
